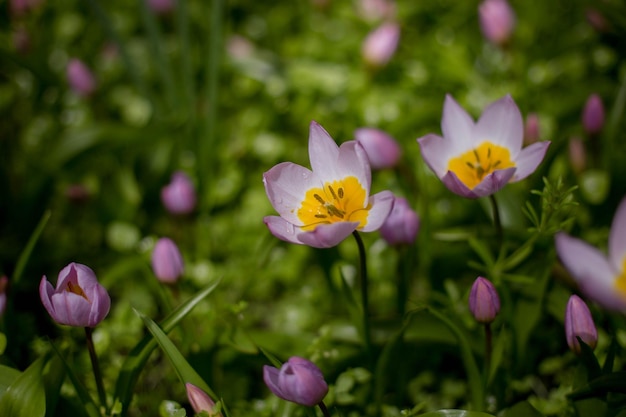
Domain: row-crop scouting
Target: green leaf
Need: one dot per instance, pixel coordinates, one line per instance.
(607, 367)
(28, 249)
(26, 396)
(498, 353)
(589, 360)
(138, 356)
(482, 250)
(456, 413)
(53, 379)
(3, 343)
(7, 377)
(171, 409)
(614, 382)
(522, 409)
(184, 370)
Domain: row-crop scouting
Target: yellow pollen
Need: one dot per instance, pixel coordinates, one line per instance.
(472, 166)
(75, 288)
(339, 201)
(620, 282)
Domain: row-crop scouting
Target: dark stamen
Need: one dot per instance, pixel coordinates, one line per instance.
(469, 164)
(332, 192)
(321, 216)
(318, 198)
(488, 152)
(334, 211)
(476, 155)
(496, 163)
(340, 191)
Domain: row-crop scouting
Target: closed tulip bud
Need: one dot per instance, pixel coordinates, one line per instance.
(161, 6)
(577, 154)
(78, 300)
(593, 115)
(402, 224)
(382, 150)
(376, 10)
(579, 323)
(80, 78)
(497, 20)
(380, 45)
(200, 400)
(531, 129)
(167, 262)
(298, 381)
(4, 283)
(484, 302)
(179, 196)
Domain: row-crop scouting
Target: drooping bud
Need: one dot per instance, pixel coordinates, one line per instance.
(298, 381)
(80, 78)
(382, 150)
(593, 115)
(380, 45)
(402, 224)
(579, 323)
(497, 20)
(167, 262)
(484, 302)
(200, 400)
(179, 196)
(531, 129)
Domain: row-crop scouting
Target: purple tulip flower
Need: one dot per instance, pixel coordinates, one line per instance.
(497, 20)
(484, 302)
(402, 224)
(382, 150)
(380, 45)
(323, 206)
(167, 262)
(80, 78)
(179, 196)
(477, 159)
(578, 322)
(298, 381)
(78, 300)
(593, 115)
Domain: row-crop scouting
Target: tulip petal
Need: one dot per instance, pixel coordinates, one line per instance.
(382, 203)
(494, 182)
(71, 309)
(282, 229)
(501, 123)
(529, 159)
(591, 270)
(457, 126)
(286, 185)
(617, 238)
(323, 151)
(353, 161)
(45, 293)
(270, 376)
(436, 153)
(327, 235)
(457, 186)
(101, 304)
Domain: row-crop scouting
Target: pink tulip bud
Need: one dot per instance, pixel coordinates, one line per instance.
(21, 40)
(80, 78)
(382, 150)
(4, 284)
(531, 129)
(402, 224)
(597, 20)
(179, 196)
(167, 262)
(497, 20)
(200, 400)
(161, 6)
(373, 10)
(380, 45)
(298, 381)
(577, 154)
(484, 302)
(578, 322)
(78, 300)
(593, 115)
(22, 7)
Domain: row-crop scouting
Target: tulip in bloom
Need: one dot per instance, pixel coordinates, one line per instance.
(578, 322)
(477, 159)
(298, 381)
(382, 150)
(200, 400)
(78, 300)
(593, 115)
(4, 283)
(497, 20)
(402, 224)
(179, 196)
(80, 78)
(600, 278)
(167, 262)
(380, 45)
(322, 206)
(484, 302)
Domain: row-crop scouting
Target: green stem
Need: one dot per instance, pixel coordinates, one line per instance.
(496, 219)
(364, 296)
(488, 349)
(96, 367)
(324, 409)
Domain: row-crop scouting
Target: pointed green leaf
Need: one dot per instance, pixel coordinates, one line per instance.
(607, 367)
(456, 413)
(7, 377)
(589, 360)
(26, 396)
(138, 356)
(522, 409)
(28, 249)
(185, 371)
(614, 382)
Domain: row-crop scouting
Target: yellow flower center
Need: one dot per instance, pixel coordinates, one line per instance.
(75, 288)
(474, 165)
(620, 282)
(339, 201)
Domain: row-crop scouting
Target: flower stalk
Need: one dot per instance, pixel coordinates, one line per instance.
(496, 219)
(367, 338)
(96, 367)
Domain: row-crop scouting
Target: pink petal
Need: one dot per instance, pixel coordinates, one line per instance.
(282, 229)
(501, 123)
(270, 376)
(494, 182)
(529, 159)
(591, 270)
(286, 185)
(71, 309)
(353, 161)
(457, 126)
(45, 293)
(323, 151)
(617, 238)
(436, 153)
(455, 185)
(328, 235)
(382, 203)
